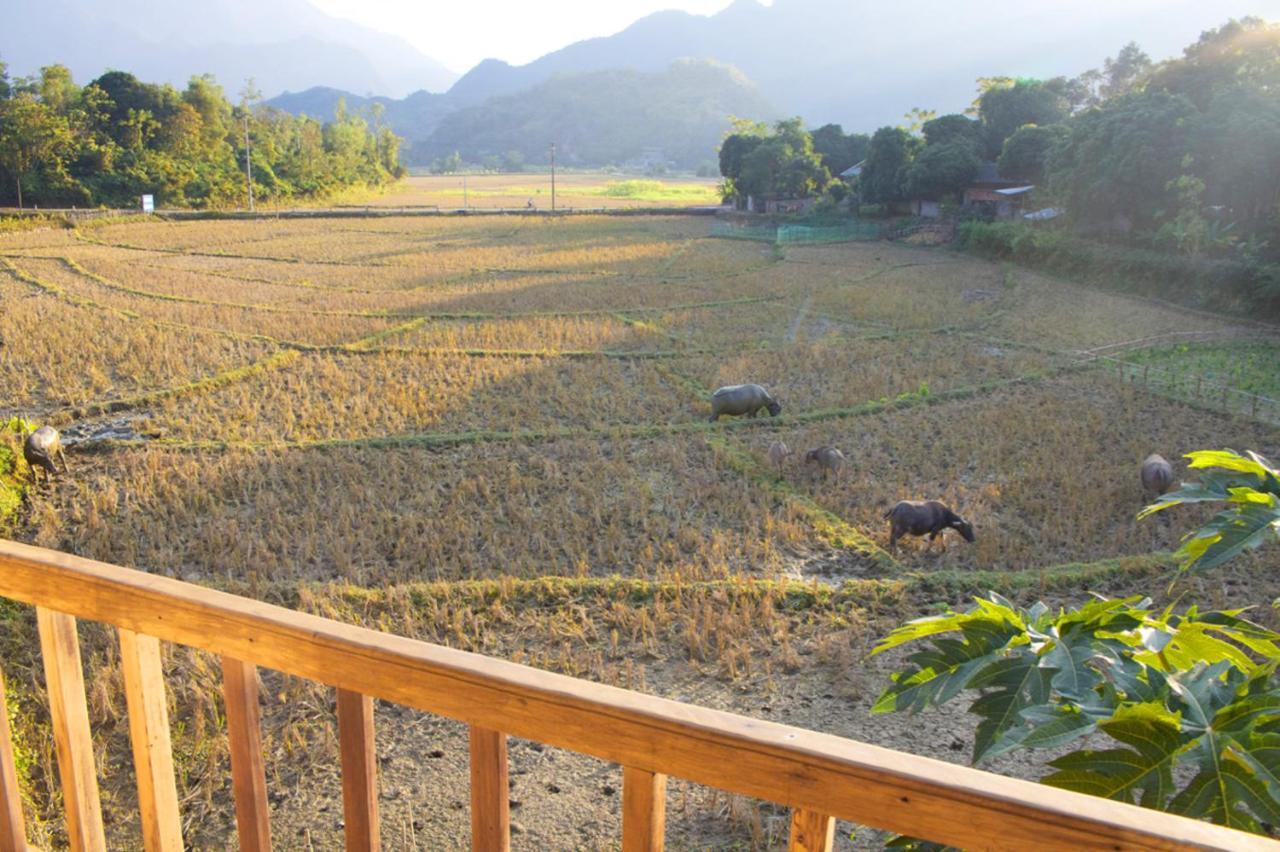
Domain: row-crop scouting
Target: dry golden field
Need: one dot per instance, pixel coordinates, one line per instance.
(573, 190)
(492, 432)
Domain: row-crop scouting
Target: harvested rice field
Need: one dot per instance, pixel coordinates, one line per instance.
(493, 432)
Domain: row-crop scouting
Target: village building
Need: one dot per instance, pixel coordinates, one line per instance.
(1004, 198)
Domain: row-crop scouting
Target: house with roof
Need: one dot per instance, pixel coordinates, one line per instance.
(853, 171)
(1004, 198)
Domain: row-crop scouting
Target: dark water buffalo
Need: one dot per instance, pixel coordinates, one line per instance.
(828, 459)
(41, 448)
(742, 399)
(924, 517)
(1157, 475)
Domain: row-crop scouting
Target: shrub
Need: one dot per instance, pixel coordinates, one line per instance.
(1225, 284)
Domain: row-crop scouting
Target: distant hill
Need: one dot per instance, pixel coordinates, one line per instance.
(863, 64)
(414, 117)
(283, 44)
(597, 118)
(605, 117)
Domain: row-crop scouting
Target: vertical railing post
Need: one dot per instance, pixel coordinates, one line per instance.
(69, 715)
(359, 771)
(490, 813)
(811, 831)
(152, 750)
(13, 828)
(644, 810)
(248, 774)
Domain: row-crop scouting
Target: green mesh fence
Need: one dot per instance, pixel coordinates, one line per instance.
(843, 232)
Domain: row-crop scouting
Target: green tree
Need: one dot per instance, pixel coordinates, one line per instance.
(916, 118)
(4, 80)
(1002, 109)
(1123, 73)
(784, 164)
(1118, 160)
(57, 90)
(31, 136)
(1242, 53)
(952, 128)
(1235, 148)
(837, 149)
(941, 170)
(889, 154)
(733, 154)
(1026, 153)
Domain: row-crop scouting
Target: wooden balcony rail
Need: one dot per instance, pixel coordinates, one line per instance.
(820, 777)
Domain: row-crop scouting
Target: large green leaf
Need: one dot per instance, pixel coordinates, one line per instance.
(1015, 683)
(1144, 770)
(1230, 791)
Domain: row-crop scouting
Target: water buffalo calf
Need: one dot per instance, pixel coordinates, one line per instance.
(1157, 475)
(41, 448)
(742, 399)
(828, 459)
(924, 517)
(778, 453)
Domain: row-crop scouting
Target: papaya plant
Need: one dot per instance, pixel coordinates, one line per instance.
(1186, 704)
(1189, 700)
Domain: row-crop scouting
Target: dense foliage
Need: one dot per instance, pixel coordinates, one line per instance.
(1230, 282)
(839, 150)
(780, 162)
(1189, 700)
(116, 138)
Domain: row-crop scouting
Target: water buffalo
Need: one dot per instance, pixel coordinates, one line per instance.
(829, 460)
(924, 517)
(41, 448)
(742, 399)
(1157, 475)
(778, 453)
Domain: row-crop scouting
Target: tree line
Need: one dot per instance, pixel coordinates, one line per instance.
(1181, 155)
(108, 142)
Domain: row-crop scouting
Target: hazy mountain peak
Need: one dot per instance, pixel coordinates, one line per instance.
(283, 44)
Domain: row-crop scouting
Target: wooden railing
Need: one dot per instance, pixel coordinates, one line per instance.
(820, 777)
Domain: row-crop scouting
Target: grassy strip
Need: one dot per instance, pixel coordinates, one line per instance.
(13, 488)
(914, 588)
(54, 290)
(829, 526)
(425, 317)
(218, 380)
(79, 235)
(442, 440)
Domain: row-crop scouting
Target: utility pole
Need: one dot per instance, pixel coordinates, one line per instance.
(553, 177)
(248, 95)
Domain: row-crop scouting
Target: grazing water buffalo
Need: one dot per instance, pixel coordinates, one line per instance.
(41, 448)
(742, 399)
(925, 517)
(829, 460)
(1157, 475)
(778, 453)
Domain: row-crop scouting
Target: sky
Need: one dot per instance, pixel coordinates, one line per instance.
(460, 34)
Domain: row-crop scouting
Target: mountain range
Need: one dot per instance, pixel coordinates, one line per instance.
(859, 63)
(282, 44)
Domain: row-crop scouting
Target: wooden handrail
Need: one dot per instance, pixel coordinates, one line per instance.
(817, 774)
